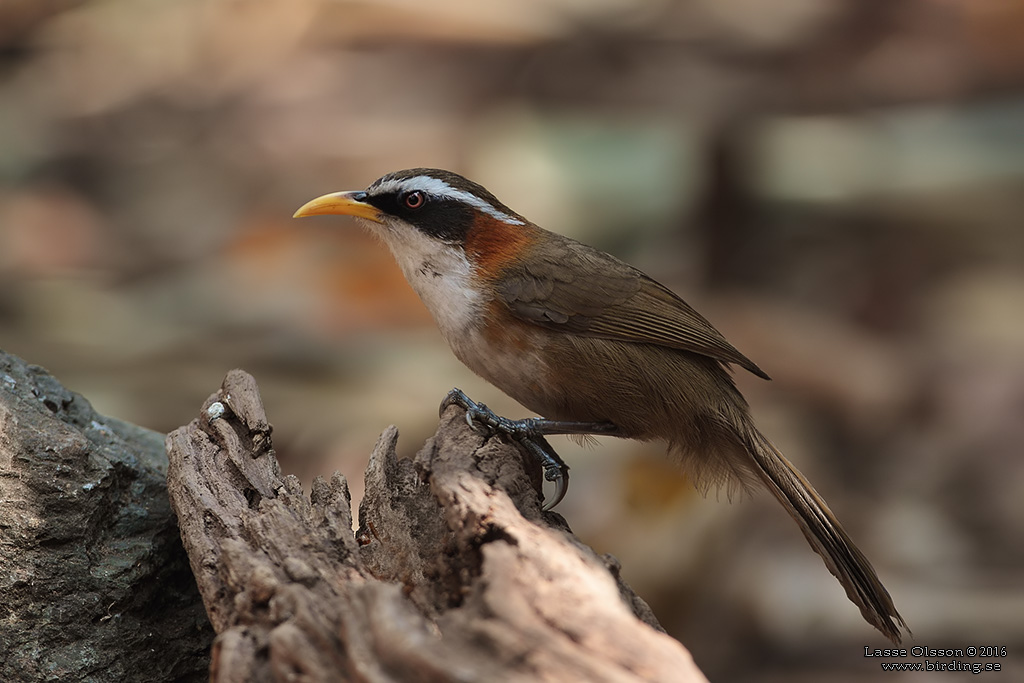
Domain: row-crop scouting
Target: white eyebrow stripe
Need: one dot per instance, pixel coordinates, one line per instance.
(439, 188)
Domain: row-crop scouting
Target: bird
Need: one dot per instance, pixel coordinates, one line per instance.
(593, 346)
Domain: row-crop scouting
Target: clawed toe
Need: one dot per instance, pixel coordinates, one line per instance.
(561, 479)
(478, 416)
(456, 397)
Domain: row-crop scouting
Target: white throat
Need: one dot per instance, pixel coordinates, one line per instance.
(440, 274)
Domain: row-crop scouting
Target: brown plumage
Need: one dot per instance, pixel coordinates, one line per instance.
(577, 335)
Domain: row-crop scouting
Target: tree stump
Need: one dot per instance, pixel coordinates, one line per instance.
(94, 583)
(455, 574)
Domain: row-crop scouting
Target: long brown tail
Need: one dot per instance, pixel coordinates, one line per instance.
(825, 534)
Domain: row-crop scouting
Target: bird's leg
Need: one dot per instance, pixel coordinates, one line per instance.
(530, 433)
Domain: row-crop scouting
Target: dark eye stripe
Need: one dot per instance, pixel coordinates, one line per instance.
(445, 190)
(446, 219)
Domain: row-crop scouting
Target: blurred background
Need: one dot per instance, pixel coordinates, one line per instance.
(837, 184)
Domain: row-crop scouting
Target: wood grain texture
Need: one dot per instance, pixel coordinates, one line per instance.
(453, 575)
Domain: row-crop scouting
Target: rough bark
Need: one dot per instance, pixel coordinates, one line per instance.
(454, 574)
(94, 583)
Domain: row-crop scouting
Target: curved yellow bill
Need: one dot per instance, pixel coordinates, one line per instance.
(339, 204)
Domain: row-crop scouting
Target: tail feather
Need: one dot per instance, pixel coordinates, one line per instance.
(825, 535)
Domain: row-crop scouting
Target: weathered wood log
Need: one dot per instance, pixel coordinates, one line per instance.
(454, 574)
(94, 583)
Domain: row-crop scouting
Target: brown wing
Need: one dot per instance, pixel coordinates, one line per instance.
(575, 288)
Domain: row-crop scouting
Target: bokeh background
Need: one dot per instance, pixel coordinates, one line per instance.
(837, 184)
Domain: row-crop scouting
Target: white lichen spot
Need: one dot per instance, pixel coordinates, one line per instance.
(215, 410)
(9, 381)
(99, 427)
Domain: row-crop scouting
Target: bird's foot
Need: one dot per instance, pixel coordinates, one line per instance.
(528, 432)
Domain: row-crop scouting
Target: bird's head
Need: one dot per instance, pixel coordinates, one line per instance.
(450, 236)
(440, 205)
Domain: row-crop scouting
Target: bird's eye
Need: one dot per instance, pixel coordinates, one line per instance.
(414, 200)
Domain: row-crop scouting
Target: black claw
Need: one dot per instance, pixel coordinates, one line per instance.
(561, 487)
(555, 469)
